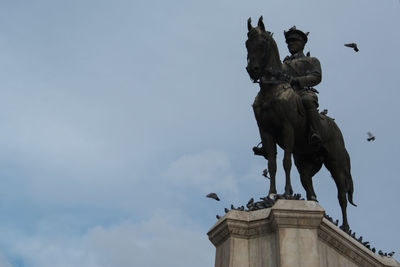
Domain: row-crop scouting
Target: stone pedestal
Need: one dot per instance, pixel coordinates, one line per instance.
(291, 233)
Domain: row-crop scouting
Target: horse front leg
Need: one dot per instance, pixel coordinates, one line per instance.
(288, 143)
(269, 146)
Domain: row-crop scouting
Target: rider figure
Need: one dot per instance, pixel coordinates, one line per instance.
(305, 72)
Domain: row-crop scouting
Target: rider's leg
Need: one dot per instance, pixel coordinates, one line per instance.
(310, 102)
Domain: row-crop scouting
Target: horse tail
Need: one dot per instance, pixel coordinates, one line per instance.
(349, 182)
(350, 190)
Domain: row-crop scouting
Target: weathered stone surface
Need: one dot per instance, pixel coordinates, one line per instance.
(291, 233)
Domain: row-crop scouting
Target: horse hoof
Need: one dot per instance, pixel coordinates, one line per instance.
(344, 228)
(312, 198)
(288, 195)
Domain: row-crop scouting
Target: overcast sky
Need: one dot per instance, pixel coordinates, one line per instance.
(117, 117)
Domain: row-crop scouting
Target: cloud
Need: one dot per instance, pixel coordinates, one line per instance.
(160, 241)
(163, 240)
(206, 171)
(45, 250)
(4, 262)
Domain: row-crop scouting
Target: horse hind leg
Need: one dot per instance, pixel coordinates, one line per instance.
(341, 185)
(339, 167)
(339, 175)
(307, 168)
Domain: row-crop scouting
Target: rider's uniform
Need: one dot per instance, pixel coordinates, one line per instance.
(308, 72)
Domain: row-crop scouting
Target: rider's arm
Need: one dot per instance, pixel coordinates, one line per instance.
(313, 74)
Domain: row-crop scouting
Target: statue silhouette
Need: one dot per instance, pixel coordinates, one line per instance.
(283, 120)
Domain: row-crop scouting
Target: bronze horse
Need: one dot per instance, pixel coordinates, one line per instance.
(281, 121)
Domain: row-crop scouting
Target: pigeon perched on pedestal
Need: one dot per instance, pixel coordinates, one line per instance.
(324, 112)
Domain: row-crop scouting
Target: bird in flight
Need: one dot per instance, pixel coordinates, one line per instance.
(371, 137)
(265, 174)
(352, 45)
(213, 196)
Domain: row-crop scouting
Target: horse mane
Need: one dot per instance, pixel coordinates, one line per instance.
(276, 60)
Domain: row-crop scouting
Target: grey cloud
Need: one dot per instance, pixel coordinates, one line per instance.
(163, 240)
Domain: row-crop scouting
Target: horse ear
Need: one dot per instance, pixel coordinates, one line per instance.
(261, 23)
(249, 27)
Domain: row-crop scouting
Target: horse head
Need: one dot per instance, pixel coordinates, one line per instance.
(262, 51)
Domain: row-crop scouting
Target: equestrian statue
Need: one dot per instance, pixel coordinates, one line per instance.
(286, 111)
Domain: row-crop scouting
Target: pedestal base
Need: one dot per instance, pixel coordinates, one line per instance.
(291, 233)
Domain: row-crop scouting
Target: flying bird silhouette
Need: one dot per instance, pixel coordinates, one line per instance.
(213, 196)
(352, 45)
(265, 174)
(371, 137)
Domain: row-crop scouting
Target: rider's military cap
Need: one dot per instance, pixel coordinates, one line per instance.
(296, 34)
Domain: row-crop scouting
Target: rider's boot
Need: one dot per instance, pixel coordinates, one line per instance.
(315, 126)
